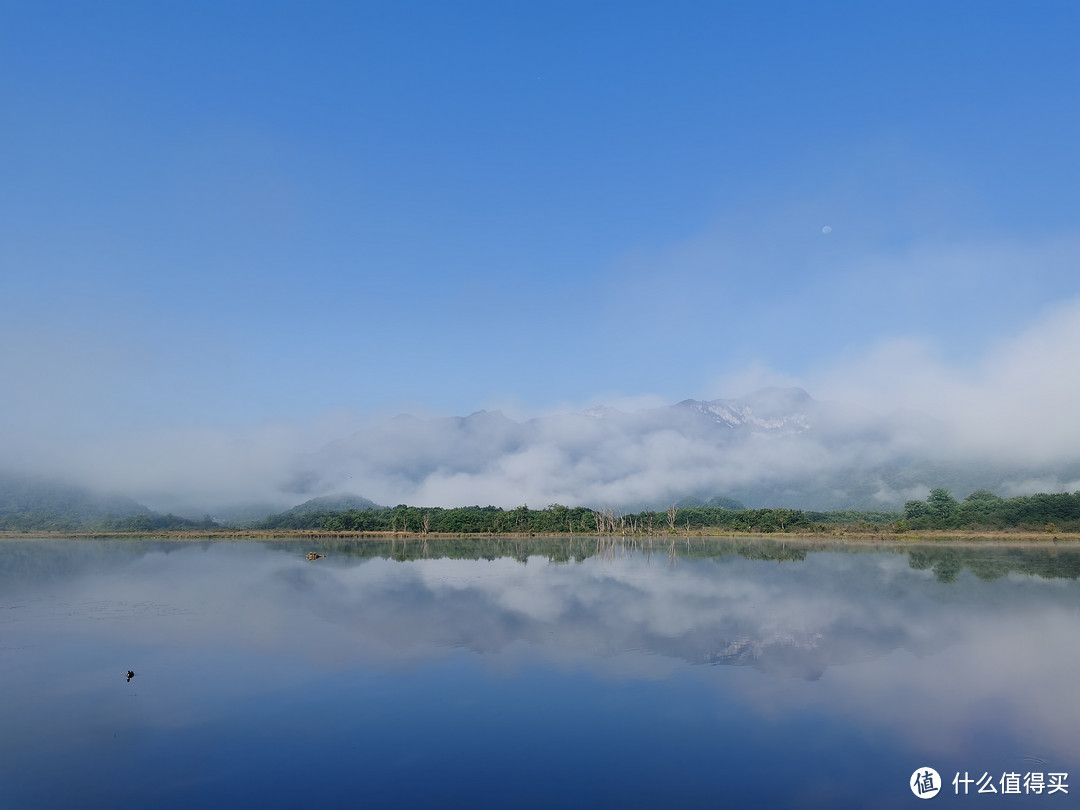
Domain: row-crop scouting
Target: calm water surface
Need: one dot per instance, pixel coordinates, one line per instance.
(734, 673)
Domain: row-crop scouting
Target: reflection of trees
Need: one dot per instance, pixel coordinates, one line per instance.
(947, 569)
(774, 552)
(946, 561)
(993, 563)
(987, 563)
(21, 557)
(726, 629)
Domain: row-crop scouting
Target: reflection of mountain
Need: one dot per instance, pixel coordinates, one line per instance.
(728, 651)
(804, 655)
(730, 604)
(797, 619)
(773, 448)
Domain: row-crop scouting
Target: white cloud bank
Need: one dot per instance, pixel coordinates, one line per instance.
(1020, 402)
(896, 403)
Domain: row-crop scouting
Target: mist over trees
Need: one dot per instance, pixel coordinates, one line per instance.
(772, 448)
(29, 504)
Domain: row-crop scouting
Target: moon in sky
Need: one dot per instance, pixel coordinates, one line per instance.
(827, 229)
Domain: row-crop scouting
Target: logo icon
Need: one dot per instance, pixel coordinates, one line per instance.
(925, 783)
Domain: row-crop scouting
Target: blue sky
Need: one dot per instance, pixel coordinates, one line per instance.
(225, 215)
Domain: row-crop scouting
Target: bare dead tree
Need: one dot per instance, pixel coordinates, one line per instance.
(607, 520)
(672, 513)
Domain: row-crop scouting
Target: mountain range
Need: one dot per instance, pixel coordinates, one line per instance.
(776, 447)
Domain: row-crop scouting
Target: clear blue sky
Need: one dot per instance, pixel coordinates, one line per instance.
(232, 213)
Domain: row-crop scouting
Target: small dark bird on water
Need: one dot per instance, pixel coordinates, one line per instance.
(130, 675)
(313, 556)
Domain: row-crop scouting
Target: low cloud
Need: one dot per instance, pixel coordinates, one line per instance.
(879, 422)
(1018, 401)
(898, 405)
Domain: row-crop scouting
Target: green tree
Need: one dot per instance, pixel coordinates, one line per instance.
(913, 510)
(941, 505)
(521, 518)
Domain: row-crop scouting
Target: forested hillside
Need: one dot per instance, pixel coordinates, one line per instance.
(34, 505)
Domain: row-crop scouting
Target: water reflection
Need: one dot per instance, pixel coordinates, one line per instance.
(960, 656)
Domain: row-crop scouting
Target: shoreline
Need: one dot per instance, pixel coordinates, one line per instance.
(943, 537)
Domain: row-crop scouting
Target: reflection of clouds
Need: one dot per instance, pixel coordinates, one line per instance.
(838, 608)
(997, 674)
(863, 634)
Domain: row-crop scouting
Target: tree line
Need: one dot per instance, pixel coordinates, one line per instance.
(555, 519)
(983, 509)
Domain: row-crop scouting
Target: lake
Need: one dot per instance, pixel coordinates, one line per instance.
(536, 673)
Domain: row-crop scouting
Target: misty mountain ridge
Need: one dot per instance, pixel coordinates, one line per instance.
(770, 409)
(338, 502)
(35, 503)
(775, 447)
(37, 494)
